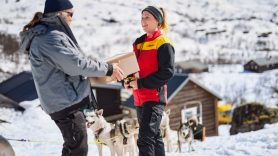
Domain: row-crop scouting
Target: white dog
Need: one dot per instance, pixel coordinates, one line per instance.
(165, 130)
(109, 134)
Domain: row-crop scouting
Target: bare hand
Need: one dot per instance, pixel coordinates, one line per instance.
(117, 73)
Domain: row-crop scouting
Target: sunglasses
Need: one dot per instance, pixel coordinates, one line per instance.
(69, 13)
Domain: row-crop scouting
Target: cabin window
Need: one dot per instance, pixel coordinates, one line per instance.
(192, 109)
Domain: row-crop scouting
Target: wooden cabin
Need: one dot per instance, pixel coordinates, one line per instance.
(183, 92)
(261, 64)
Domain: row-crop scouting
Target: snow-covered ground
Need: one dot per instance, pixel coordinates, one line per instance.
(209, 30)
(35, 125)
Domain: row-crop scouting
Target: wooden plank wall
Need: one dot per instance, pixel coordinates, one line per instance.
(192, 92)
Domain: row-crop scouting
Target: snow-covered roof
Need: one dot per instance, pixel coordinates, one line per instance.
(116, 86)
(265, 61)
(192, 64)
(196, 82)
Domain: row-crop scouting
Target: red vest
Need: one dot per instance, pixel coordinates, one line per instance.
(146, 50)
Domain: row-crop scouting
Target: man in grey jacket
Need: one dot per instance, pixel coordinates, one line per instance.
(60, 70)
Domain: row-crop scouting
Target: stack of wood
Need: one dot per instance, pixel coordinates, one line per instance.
(252, 117)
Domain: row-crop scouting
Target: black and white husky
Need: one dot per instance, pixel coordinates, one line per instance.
(185, 134)
(128, 130)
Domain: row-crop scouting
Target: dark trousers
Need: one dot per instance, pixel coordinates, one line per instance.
(150, 142)
(73, 129)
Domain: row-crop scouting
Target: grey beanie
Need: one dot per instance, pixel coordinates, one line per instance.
(155, 12)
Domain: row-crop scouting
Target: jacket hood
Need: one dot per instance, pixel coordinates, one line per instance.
(26, 37)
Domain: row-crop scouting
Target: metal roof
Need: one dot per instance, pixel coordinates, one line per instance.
(20, 87)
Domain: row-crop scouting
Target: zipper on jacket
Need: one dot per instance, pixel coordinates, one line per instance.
(72, 86)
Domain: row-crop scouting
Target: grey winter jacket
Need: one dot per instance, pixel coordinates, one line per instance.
(57, 65)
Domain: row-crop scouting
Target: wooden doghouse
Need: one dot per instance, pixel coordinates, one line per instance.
(192, 90)
(182, 90)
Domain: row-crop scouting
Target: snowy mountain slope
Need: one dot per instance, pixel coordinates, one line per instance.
(210, 30)
(35, 125)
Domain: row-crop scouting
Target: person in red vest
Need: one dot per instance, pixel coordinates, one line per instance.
(155, 55)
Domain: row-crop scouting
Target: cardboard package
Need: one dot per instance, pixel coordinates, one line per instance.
(126, 61)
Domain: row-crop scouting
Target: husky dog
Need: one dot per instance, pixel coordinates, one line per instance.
(128, 132)
(5, 148)
(132, 126)
(109, 134)
(185, 134)
(103, 132)
(165, 130)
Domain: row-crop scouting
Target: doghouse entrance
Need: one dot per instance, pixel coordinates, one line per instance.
(192, 109)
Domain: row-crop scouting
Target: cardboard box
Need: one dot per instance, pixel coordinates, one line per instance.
(126, 61)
